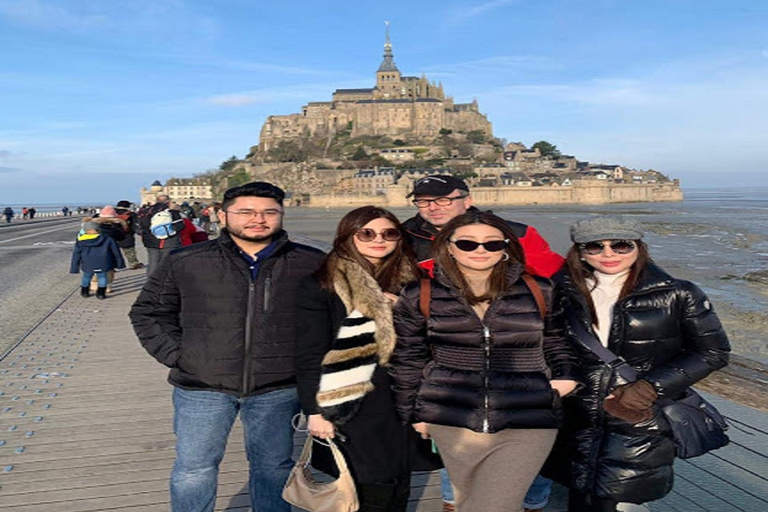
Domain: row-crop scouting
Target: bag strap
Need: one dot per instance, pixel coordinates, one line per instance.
(305, 459)
(425, 295)
(537, 294)
(591, 342)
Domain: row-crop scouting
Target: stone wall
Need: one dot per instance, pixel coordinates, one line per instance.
(587, 192)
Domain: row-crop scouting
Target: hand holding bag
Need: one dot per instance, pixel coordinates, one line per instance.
(303, 491)
(697, 427)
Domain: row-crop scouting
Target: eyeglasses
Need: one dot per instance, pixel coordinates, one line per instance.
(617, 246)
(471, 245)
(249, 214)
(439, 201)
(369, 235)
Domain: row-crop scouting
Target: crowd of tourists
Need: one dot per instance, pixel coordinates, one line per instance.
(455, 339)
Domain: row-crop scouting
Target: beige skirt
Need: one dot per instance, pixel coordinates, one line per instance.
(492, 472)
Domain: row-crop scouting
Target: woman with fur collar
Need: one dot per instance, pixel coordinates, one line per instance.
(345, 338)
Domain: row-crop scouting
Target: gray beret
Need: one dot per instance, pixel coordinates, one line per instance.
(605, 227)
(90, 225)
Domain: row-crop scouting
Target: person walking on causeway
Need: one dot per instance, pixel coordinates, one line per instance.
(95, 254)
(616, 448)
(480, 363)
(344, 340)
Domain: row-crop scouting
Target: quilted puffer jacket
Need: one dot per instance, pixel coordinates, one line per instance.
(218, 329)
(667, 330)
(485, 375)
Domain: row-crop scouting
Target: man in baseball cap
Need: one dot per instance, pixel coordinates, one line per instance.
(440, 198)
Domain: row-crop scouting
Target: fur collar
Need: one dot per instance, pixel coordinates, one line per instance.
(359, 291)
(366, 336)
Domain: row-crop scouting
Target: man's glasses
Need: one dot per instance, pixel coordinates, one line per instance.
(369, 235)
(617, 246)
(439, 201)
(249, 214)
(471, 245)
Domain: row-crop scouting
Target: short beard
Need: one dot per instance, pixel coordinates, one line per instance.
(257, 238)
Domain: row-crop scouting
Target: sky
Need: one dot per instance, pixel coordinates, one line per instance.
(101, 97)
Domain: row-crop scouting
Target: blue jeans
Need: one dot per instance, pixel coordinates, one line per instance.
(536, 497)
(202, 422)
(101, 279)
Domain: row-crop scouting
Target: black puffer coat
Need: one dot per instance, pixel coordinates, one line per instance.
(201, 314)
(487, 375)
(667, 330)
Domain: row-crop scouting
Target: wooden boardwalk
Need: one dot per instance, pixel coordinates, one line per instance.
(85, 425)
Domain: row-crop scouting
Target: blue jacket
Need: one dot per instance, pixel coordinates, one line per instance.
(95, 253)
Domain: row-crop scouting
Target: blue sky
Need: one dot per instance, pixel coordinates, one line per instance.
(101, 97)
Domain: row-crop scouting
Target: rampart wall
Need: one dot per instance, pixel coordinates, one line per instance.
(592, 192)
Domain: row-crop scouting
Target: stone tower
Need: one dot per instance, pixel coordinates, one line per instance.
(388, 77)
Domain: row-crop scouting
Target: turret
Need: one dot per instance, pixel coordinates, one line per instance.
(388, 76)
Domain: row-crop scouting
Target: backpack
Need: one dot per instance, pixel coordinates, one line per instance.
(161, 225)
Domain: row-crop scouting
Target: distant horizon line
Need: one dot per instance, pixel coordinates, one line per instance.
(91, 203)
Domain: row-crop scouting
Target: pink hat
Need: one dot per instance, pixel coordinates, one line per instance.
(108, 211)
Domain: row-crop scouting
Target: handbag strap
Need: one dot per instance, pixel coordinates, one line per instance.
(538, 296)
(425, 295)
(305, 459)
(591, 342)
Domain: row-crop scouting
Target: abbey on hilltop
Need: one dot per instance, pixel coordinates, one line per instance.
(397, 106)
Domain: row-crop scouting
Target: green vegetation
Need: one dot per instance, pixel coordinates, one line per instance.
(241, 177)
(546, 149)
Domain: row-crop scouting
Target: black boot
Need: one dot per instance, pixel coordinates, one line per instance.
(101, 293)
(85, 292)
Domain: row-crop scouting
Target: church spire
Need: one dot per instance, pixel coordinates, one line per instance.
(388, 64)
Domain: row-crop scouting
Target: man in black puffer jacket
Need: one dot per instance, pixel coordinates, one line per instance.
(221, 315)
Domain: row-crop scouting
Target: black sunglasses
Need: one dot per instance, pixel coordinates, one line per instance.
(369, 235)
(471, 245)
(617, 246)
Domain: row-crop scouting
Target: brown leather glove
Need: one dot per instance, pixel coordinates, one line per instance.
(636, 395)
(632, 402)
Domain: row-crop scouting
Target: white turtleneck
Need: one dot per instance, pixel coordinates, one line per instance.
(604, 297)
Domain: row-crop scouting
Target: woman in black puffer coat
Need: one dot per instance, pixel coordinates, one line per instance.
(616, 445)
(483, 374)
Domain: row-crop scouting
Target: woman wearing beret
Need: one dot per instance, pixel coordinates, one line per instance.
(616, 446)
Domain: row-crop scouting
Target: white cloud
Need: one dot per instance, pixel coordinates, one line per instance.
(235, 100)
(168, 21)
(621, 92)
(40, 14)
(465, 13)
(299, 94)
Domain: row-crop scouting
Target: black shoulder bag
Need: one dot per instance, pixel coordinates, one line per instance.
(697, 427)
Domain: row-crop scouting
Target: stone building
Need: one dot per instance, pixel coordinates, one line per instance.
(179, 190)
(396, 106)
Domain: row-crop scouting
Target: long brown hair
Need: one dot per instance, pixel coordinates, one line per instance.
(389, 274)
(581, 271)
(497, 282)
